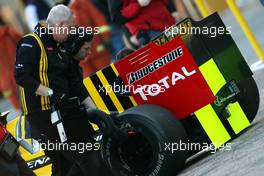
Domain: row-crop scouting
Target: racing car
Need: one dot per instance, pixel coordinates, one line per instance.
(185, 86)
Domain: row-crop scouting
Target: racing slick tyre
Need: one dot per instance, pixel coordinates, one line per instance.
(148, 148)
(249, 97)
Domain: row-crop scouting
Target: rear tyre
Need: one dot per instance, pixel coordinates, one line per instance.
(148, 149)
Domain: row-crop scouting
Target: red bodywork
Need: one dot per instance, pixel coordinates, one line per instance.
(172, 81)
(3, 133)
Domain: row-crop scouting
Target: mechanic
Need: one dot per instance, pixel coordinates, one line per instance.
(77, 47)
(11, 163)
(45, 76)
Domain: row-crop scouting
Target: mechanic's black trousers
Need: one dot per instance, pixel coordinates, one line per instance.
(66, 162)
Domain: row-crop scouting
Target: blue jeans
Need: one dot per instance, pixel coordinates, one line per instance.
(116, 40)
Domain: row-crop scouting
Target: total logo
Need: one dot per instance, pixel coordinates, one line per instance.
(164, 84)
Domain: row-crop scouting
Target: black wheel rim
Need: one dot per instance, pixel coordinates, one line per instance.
(136, 153)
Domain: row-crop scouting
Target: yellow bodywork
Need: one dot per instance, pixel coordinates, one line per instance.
(43, 171)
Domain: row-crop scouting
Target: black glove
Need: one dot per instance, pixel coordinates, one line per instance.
(100, 118)
(110, 125)
(58, 99)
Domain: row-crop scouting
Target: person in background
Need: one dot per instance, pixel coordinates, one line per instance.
(117, 42)
(146, 19)
(87, 15)
(115, 7)
(9, 39)
(115, 10)
(178, 10)
(35, 11)
(38, 10)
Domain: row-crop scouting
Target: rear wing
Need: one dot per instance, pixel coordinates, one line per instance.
(218, 59)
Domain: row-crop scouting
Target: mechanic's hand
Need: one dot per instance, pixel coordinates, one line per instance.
(176, 16)
(134, 40)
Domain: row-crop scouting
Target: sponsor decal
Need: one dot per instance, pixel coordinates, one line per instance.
(19, 66)
(154, 66)
(49, 48)
(163, 84)
(38, 162)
